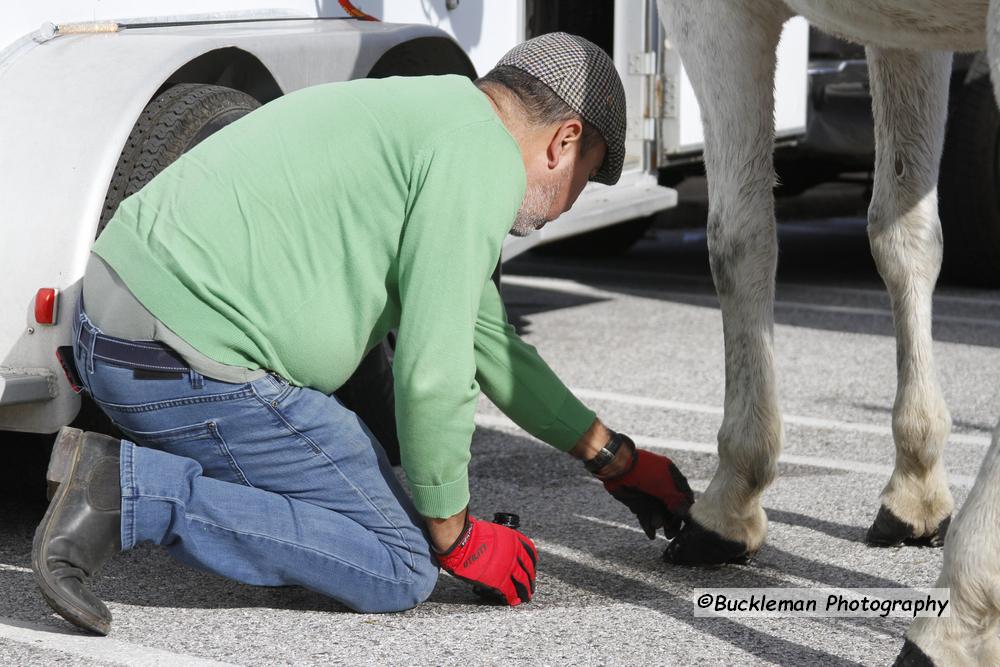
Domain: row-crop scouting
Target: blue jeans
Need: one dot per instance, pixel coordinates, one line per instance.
(264, 482)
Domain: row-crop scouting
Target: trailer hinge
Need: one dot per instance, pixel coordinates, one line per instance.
(649, 129)
(642, 62)
(667, 95)
(662, 96)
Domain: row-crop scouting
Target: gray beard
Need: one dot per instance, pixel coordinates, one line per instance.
(535, 208)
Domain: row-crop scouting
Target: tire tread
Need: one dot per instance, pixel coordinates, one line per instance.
(166, 129)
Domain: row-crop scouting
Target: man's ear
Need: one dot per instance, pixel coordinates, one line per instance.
(565, 139)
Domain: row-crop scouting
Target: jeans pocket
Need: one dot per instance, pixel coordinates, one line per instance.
(202, 442)
(271, 389)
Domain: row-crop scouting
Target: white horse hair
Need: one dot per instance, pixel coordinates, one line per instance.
(728, 48)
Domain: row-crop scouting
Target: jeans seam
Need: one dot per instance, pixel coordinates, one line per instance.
(269, 405)
(78, 331)
(319, 450)
(186, 433)
(275, 382)
(283, 390)
(177, 402)
(90, 348)
(200, 519)
(128, 492)
(224, 449)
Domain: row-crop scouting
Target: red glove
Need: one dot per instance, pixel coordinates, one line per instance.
(495, 557)
(656, 492)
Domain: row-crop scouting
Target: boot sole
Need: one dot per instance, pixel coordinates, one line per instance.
(65, 456)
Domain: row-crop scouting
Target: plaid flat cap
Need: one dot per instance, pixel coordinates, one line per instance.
(585, 78)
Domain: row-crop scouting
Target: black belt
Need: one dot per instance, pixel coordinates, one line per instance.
(149, 355)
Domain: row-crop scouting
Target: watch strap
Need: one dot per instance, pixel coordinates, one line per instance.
(606, 455)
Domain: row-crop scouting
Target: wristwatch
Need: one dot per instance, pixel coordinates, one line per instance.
(606, 455)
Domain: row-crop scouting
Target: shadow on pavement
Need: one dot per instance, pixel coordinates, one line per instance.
(826, 276)
(833, 529)
(760, 644)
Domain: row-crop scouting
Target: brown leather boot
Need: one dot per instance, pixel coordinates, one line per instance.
(81, 530)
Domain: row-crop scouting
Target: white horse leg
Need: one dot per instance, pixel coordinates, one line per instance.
(910, 99)
(972, 571)
(971, 566)
(728, 49)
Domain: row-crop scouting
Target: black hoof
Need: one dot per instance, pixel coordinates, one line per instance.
(912, 656)
(696, 545)
(936, 539)
(888, 530)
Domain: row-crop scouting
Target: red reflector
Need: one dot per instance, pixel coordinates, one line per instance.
(46, 305)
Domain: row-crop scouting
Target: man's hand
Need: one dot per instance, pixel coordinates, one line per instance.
(655, 490)
(495, 557)
(445, 532)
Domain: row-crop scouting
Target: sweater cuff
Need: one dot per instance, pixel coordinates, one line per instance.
(572, 421)
(442, 500)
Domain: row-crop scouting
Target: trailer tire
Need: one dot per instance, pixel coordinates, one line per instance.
(175, 121)
(970, 172)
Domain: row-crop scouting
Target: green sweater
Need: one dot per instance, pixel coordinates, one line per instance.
(297, 237)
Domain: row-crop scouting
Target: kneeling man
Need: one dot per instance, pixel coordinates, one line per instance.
(228, 299)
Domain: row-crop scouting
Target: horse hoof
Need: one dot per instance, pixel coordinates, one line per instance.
(888, 530)
(697, 545)
(936, 539)
(912, 656)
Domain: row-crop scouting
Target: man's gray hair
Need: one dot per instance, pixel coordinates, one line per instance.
(540, 103)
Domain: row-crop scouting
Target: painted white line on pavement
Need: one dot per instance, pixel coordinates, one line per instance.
(815, 422)
(95, 648)
(770, 570)
(591, 560)
(658, 579)
(574, 287)
(562, 285)
(4, 567)
(649, 578)
(966, 481)
(620, 526)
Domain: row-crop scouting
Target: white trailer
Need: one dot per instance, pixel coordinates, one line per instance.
(97, 96)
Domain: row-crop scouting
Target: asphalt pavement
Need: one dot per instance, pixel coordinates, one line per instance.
(639, 337)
